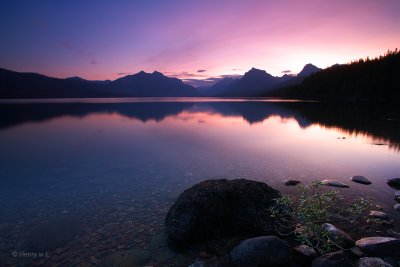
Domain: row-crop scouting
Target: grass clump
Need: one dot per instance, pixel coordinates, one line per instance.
(304, 217)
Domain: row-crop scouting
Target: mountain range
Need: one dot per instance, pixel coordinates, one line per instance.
(256, 82)
(14, 85)
(364, 79)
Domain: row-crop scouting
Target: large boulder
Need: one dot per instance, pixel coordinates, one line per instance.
(215, 208)
(262, 251)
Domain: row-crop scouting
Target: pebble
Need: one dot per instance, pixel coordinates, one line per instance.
(378, 214)
(397, 207)
(397, 196)
(393, 233)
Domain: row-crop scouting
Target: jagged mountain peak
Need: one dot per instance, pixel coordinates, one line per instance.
(308, 69)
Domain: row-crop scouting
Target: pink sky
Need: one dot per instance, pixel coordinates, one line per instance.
(106, 40)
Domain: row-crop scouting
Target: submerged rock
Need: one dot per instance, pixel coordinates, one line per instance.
(378, 214)
(360, 179)
(338, 236)
(215, 208)
(260, 251)
(339, 258)
(291, 182)
(334, 183)
(379, 246)
(373, 262)
(394, 183)
(397, 196)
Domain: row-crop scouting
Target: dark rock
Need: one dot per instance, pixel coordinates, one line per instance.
(291, 182)
(379, 246)
(357, 251)
(334, 183)
(263, 251)
(198, 263)
(216, 208)
(397, 207)
(394, 183)
(378, 214)
(306, 251)
(339, 258)
(373, 262)
(304, 254)
(360, 179)
(393, 233)
(338, 236)
(397, 196)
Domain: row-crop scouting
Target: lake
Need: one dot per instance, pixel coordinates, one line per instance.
(91, 180)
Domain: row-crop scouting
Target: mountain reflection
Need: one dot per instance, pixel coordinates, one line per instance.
(376, 120)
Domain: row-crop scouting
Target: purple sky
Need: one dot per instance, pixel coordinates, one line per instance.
(191, 39)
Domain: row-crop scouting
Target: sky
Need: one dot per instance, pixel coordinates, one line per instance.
(192, 40)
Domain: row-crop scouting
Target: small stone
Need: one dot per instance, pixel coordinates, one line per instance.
(393, 233)
(386, 222)
(397, 207)
(339, 258)
(378, 214)
(203, 254)
(261, 251)
(291, 182)
(306, 251)
(334, 183)
(397, 196)
(379, 246)
(356, 251)
(360, 179)
(197, 263)
(373, 262)
(338, 236)
(394, 183)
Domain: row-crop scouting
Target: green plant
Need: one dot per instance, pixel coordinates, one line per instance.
(306, 215)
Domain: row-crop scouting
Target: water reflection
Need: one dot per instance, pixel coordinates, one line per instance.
(380, 121)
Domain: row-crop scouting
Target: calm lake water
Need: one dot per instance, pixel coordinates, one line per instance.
(90, 181)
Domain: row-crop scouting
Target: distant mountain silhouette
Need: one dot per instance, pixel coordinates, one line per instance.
(307, 70)
(255, 82)
(374, 79)
(151, 84)
(15, 85)
(31, 85)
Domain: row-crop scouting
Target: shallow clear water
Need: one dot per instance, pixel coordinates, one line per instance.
(91, 180)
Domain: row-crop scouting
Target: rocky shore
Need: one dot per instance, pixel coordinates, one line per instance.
(237, 212)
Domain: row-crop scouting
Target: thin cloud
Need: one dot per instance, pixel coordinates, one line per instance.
(124, 73)
(286, 71)
(94, 62)
(201, 70)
